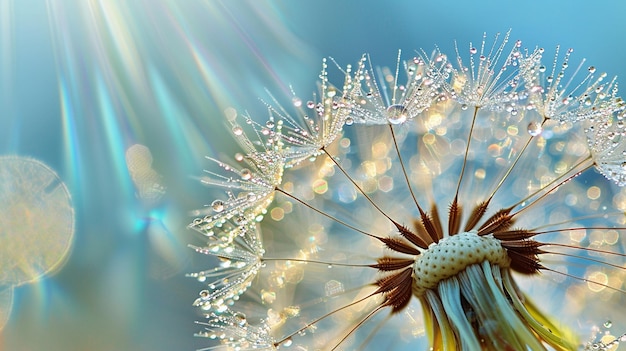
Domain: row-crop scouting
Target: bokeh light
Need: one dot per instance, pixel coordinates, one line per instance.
(36, 224)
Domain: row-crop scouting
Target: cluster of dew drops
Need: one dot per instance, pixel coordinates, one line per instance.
(607, 341)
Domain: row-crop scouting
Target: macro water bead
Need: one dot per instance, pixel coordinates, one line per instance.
(439, 204)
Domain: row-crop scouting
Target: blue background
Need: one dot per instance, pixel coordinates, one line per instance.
(83, 80)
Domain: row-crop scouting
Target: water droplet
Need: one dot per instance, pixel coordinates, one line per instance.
(237, 130)
(296, 102)
(534, 128)
(464, 107)
(542, 68)
(310, 104)
(608, 324)
(246, 174)
(473, 50)
(349, 121)
(592, 69)
(287, 342)
(251, 197)
(239, 157)
(218, 205)
(269, 124)
(396, 114)
(240, 319)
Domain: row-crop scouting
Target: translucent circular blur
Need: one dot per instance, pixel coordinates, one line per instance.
(36, 220)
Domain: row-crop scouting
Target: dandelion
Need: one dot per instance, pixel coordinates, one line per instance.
(436, 229)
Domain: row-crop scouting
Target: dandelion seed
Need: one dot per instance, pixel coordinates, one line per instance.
(565, 97)
(382, 99)
(316, 125)
(450, 216)
(490, 80)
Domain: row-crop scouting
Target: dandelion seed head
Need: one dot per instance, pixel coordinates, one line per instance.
(452, 255)
(447, 194)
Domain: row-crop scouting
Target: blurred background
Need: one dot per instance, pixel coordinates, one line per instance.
(123, 99)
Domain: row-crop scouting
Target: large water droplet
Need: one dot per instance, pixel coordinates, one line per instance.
(396, 114)
(608, 324)
(534, 128)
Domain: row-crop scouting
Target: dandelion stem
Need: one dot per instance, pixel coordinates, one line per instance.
(325, 316)
(357, 186)
(586, 258)
(317, 262)
(585, 280)
(326, 214)
(576, 219)
(508, 172)
(467, 147)
(577, 228)
(358, 325)
(406, 176)
(549, 191)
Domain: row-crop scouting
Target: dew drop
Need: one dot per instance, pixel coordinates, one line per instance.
(287, 342)
(473, 50)
(296, 102)
(396, 114)
(218, 205)
(534, 128)
(251, 197)
(240, 319)
(592, 69)
(464, 107)
(246, 174)
(237, 130)
(310, 104)
(608, 324)
(238, 157)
